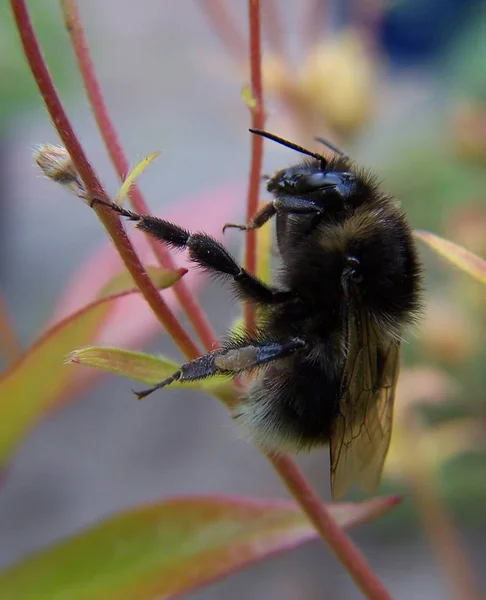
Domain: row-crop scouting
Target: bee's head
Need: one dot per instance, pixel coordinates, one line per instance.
(318, 175)
(311, 177)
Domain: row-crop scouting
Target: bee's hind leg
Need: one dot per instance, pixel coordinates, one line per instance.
(236, 357)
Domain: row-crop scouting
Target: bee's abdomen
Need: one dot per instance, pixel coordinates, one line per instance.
(291, 406)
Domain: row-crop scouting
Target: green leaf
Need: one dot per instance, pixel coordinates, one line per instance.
(132, 175)
(32, 384)
(147, 369)
(123, 281)
(157, 551)
(472, 264)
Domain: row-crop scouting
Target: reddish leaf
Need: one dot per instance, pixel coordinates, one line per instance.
(123, 282)
(33, 383)
(158, 551)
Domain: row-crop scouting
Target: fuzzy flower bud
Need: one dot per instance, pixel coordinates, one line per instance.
(55, 163)
(337, 80)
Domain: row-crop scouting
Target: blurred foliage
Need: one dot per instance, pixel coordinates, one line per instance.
(439, 188)
(442, 185)
(462, 67)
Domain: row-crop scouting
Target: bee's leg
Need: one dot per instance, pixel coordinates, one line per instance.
(266, 212)
(207, 253)
(236, 357)
(288, 205)
(214, 258)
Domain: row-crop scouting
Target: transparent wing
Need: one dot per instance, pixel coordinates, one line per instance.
(362, 430)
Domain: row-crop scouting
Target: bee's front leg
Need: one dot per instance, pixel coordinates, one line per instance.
(285, 205)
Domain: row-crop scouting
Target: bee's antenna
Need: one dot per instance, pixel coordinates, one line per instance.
(291, 145)
(331, 146)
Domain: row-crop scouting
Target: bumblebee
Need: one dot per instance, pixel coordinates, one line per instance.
(326, 349)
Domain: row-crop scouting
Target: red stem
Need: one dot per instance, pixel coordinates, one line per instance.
(367, 17)
(273, 28)
(314, 23)
(257, 122)
(342, 547)
(190, 307)
(93, 186)
(224, 26)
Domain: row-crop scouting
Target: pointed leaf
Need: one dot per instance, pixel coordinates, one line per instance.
(132, 175)
(457, 255)
(158, 551)
(123, 282)
(144, 368)
(31, 385)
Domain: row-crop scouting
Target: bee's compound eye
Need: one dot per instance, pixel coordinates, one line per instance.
(316, 180)
(348, 177)
(332, 180)
(292, 181)
(353, 267)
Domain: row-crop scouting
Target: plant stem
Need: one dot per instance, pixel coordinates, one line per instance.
(9, 344)
(224, 26)
(273, 28)
(73, 24)
(110, 221)
(340, 544)
(314, 22)
(257, 122)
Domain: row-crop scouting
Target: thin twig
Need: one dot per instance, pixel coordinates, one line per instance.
(314, 22)
(190, 307)
(110, 221)
(340, 544)
(9, 343)
(257, 122)
(367, 18)
(273, 28)
(225, 27)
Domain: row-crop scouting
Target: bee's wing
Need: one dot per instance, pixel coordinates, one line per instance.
(361, 432)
